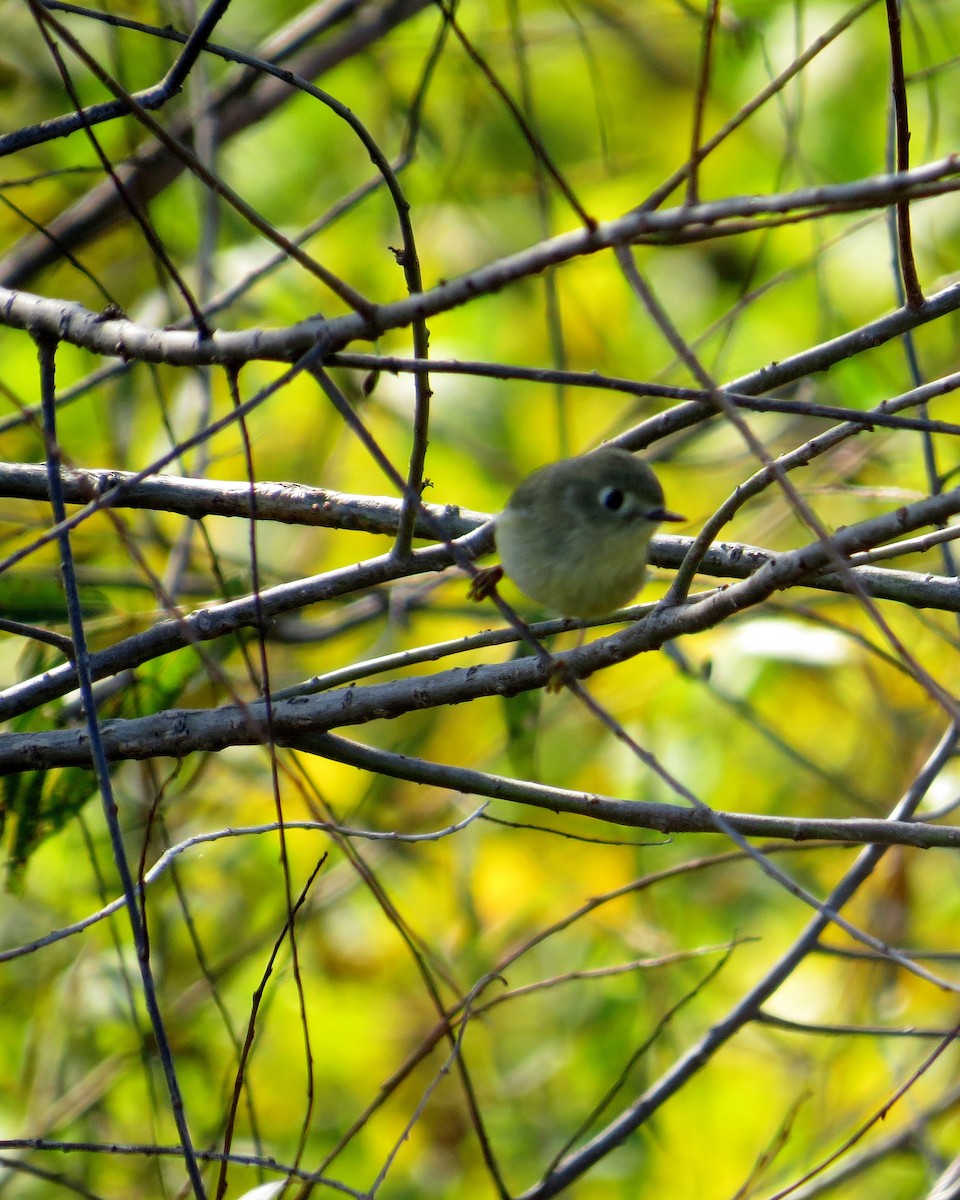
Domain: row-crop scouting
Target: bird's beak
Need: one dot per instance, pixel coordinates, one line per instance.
(662, 514)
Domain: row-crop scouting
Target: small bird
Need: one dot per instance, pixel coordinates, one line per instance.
(576, 533)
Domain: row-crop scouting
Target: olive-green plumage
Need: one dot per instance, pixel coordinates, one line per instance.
(575, 534)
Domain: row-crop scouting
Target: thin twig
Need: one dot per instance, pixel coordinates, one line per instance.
(898, 87)
(47, 353)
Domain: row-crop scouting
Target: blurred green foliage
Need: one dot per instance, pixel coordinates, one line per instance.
(791, 710)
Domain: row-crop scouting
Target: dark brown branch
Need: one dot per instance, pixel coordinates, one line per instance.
(908, 265)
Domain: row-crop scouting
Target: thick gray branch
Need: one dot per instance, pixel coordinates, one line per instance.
(124, 339)
(175, 733)
(289, 503)
(296, 504)
(171, 734)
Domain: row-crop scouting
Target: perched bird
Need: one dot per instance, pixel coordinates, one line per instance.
(575, 534)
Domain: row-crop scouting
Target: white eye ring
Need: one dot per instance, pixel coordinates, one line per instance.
(612, 499)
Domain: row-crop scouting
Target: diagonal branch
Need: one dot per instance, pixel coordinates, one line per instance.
(176, 732)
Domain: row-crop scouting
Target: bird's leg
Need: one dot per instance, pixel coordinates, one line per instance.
(484, 582)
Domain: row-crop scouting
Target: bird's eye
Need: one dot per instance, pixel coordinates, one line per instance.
(612, 499)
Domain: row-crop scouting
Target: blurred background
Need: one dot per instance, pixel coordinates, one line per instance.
(594, 956)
